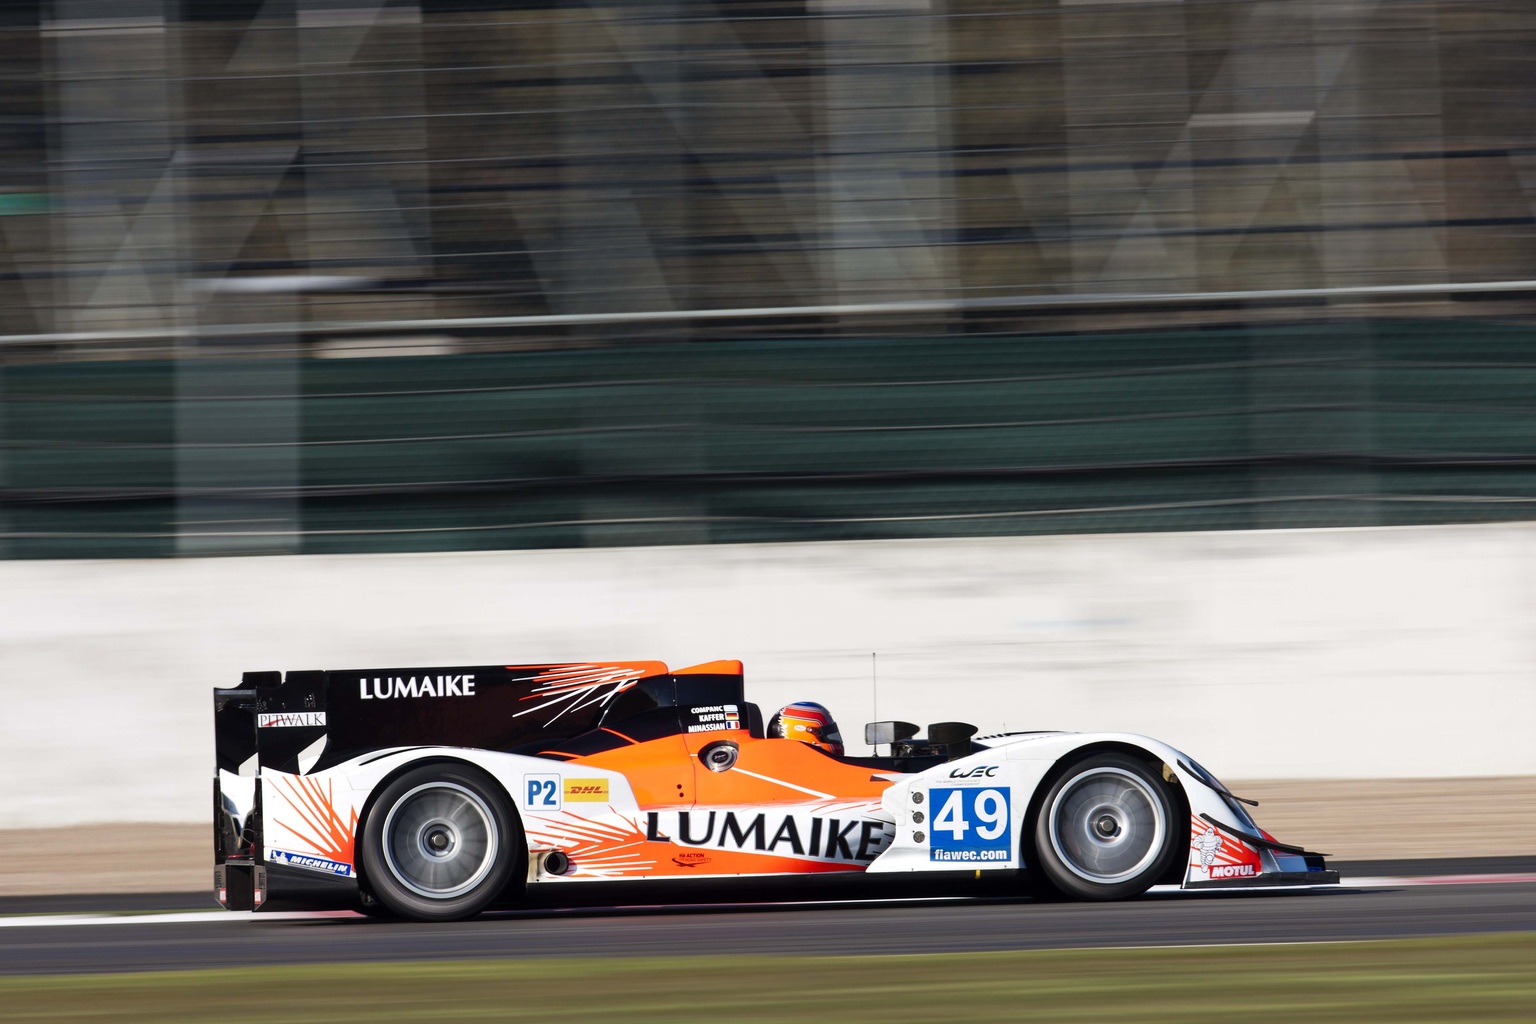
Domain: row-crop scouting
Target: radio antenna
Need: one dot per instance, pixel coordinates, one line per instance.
(874, 694)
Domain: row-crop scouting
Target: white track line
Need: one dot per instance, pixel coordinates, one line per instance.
(214, 915)
(179, 917)
(1350, 882)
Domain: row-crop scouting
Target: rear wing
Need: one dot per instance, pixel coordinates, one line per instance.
(309, 721)
(305, 722)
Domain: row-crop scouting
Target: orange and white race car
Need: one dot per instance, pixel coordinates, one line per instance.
(436, 793)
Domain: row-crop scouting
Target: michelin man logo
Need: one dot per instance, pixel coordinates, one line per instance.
(1209, 845)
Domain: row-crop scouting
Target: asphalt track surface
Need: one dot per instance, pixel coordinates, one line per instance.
(823, 929)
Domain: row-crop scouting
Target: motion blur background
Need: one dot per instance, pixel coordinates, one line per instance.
(686, 272)
(304, 277)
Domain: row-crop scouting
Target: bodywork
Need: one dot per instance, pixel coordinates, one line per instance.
(630, 771)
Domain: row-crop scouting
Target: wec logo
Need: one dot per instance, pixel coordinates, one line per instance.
(981, 771)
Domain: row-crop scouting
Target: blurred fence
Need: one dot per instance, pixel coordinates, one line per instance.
(1371, 423)
(681, 270)
(172, 168)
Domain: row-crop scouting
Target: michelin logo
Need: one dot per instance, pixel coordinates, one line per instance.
(1209, 845)
(300, 860)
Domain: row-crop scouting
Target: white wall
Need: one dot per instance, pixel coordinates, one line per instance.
(1375, 653)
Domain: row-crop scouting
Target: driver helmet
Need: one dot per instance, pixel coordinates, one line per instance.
(807, 722)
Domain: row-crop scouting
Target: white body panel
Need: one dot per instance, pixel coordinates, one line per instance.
(973, 817)
(1014, 767)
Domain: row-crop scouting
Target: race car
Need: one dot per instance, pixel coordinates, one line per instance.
(433, 794)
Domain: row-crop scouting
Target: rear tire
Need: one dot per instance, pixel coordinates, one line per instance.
(441, 843)
(1106, 829)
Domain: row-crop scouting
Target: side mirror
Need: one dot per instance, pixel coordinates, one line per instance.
(954, 737)
(878, 734)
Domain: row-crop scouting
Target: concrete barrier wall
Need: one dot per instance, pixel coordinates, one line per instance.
(1339, 653)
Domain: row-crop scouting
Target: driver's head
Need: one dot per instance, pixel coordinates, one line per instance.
(807, 722)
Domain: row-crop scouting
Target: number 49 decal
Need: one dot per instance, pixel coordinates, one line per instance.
(971, 825)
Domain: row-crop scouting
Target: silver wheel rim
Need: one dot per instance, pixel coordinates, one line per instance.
(440, 840)
(1107, 825)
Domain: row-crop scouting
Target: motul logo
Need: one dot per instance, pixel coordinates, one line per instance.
(426, 686)
(1233, 870)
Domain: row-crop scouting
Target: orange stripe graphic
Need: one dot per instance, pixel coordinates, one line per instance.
(567, 688)
(327, 834)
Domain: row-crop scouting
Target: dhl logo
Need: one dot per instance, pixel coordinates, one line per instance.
(588, 790)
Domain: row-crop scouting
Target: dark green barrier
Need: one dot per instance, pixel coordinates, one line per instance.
(1372, 424)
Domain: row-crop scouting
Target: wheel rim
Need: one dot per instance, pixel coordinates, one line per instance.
(440, 840)
(1107, 825)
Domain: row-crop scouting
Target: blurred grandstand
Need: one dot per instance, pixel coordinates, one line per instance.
(362, 275)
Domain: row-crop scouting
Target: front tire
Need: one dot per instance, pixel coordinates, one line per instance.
(1106, 829)
(441, 843)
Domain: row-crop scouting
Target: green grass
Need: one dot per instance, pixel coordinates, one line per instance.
(1485, 978)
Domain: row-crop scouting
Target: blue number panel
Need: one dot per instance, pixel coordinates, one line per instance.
(971, 825)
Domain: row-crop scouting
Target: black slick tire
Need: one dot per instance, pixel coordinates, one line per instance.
(1107, 829)
(441, 843)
